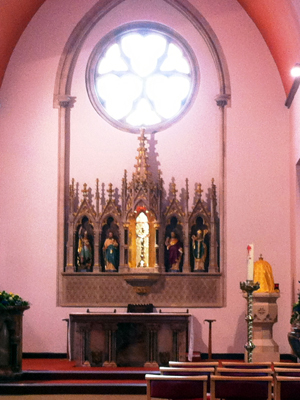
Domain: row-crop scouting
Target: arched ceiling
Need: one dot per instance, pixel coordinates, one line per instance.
(278, 22)
(14, 17)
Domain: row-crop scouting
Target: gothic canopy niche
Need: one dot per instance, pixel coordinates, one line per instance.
(143, 245)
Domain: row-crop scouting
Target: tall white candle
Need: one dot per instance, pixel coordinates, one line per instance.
(250, 262)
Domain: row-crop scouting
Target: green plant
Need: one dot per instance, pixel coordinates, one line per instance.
(11, 300)
(295, 317)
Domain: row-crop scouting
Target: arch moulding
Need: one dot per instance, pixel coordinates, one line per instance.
(64, 101)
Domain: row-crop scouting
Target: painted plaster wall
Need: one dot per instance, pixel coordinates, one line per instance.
(295, 191)
(257, 171)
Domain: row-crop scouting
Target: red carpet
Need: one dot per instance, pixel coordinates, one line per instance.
(46, 364)
(60, 376)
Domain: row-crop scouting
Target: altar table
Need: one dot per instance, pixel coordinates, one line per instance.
(128, 339)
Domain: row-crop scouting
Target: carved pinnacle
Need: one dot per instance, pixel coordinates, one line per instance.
(85, 190)
(110, 190)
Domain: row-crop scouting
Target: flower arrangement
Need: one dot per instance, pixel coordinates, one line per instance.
(11, 300)
(295, 317)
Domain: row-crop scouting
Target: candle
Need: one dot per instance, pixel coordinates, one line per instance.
(250, 262)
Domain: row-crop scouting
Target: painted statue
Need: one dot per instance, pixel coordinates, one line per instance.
(199, 250)
(174, 252)
(84, 250)
(111, 252)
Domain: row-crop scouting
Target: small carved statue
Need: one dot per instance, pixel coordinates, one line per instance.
(111, 252)
(175, 251)
(199, 249)
(84, 250)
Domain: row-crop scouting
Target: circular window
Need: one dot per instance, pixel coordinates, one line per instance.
(142, 75)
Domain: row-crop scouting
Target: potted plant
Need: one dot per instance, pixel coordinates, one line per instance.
(294, 336)
(12, 307)
(8, 300)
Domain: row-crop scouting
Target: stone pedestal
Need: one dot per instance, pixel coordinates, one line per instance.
(11, 321)
(265, 311)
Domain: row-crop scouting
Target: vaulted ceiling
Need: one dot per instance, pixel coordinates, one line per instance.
(277, 20)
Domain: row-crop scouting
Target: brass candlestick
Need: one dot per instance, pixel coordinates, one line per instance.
(249, 287)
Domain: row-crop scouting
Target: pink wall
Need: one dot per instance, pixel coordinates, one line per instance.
(295, 194)
(257, 202)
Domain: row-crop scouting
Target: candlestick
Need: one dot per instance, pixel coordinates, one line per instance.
(249, 287)
(250, 262)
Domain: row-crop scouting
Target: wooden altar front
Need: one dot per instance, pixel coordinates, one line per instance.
(128, 339)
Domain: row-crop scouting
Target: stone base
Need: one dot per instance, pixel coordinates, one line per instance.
(110, 364)
(265, 311)
(265, 356)
(265, 350)
(149, 364)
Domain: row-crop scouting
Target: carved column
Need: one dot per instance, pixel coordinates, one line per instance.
(152, 345)
(110, 345)
(178, 341)
(157, 239)
(64, 103)
(187, 262)
(124, 234)
(186, 251)
(213, 259)
(97, 266)
(70, 267)
(84, 331)
(121, 247)
(124, 245)
(222, 101)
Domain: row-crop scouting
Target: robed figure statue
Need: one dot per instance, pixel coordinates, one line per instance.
(175, 251)
(111, 253)
(85, 254)
(199, 249)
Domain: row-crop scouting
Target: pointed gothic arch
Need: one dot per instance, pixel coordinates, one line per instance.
(64, 100)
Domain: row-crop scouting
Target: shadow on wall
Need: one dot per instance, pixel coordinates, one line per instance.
(240, 337)
(199, 327)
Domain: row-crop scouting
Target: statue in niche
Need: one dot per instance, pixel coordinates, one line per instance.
(174, 252)
(173, 236)
(142, 242)
(174, 226)
(111, 252)
(112, 227)
(148, 242)
(85, 247)
(199, 249)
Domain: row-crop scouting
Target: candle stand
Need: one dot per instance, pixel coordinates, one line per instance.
(210, 321)
(249, 287)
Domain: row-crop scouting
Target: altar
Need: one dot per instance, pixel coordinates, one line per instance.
(128, 339)
(142, 241)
